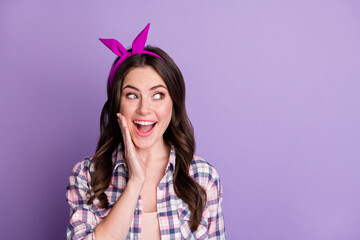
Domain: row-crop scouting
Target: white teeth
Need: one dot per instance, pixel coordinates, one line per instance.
(144, 123)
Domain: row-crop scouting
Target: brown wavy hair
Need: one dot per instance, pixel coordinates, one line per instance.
(179, 133)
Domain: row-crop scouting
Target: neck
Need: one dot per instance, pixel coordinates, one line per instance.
(156, 153)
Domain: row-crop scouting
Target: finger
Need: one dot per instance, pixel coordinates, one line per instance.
(126, 150)
(128, 139)
(120, 125)
(129, 145)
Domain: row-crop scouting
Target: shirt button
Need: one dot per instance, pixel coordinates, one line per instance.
(162, 214)
(161, 187)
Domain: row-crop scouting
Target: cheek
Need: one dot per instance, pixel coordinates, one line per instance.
(166, 111)
(126, 110)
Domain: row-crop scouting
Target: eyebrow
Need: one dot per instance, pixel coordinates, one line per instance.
(152, 88)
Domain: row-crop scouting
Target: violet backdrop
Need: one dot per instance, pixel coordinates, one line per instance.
(272, 92)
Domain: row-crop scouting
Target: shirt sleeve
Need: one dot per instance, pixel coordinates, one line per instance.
(82, 219)
(216, 228)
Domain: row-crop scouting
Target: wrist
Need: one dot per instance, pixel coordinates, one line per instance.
(136, 183)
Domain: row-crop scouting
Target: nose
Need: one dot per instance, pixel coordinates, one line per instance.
(144, 106)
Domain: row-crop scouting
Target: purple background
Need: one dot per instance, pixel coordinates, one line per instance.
(272, 91)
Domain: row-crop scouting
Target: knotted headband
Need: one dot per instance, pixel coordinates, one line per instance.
(137, 48)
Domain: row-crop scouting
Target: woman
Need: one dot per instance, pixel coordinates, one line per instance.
(144, 181)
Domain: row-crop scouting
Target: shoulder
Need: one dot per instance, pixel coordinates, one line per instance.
(203, 172)
(82, 169)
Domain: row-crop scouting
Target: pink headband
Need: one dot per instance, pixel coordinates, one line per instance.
(137, 48)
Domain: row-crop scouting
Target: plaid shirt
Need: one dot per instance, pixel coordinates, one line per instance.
(173, 213)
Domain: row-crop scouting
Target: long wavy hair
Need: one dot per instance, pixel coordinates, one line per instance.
(179, 133)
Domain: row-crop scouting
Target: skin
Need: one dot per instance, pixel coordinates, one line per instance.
(144, 97)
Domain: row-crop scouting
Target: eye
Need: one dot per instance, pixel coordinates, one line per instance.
(158, 96)
(131, 96)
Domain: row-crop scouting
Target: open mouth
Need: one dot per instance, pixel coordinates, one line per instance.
(144, 127)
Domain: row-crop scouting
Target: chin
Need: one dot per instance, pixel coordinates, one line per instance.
(143, 143)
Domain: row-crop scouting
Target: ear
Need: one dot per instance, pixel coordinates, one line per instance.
(114, 46)
(139, 42)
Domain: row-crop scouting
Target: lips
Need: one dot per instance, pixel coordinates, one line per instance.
(144, 128)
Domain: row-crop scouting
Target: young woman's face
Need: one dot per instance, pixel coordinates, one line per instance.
(146, 106)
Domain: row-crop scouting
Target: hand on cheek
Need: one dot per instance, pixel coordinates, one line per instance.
(136, 166)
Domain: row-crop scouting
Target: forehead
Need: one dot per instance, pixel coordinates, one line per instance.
(143, 78)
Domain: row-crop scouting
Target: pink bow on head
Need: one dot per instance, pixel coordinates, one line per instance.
(117, 48)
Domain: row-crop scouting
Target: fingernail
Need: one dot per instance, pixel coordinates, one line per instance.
(118, 115)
